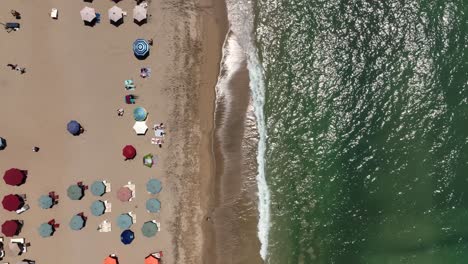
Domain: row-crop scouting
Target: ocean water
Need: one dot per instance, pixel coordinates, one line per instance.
(362, 111)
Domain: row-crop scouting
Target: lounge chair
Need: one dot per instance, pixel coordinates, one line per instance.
(108, 206)
(23, 209)
(54, 13)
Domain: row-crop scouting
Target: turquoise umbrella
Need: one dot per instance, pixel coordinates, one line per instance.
(98, 188)
(46, 202)
(98, 208)
(77, 222)
(46, 230)
(153, 186)
(149, 229)
(75, 192)
(140, 114)
(153, 205)
(124, 221)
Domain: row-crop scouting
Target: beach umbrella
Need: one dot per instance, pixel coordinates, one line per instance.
(75, 192)
(115, 14)
(124, 221)
(98, 188)
(124, 194)
(148, 160)
(98, 208)
(151, 260)
(46, 202)
(14, 177)
(140, 127)
(140, 48)
(140, 114)
(153, 205)
(12, 202)
(74, 127)
(153, 186)
(149, 229)
(88, 14)
(129, 152)
(111, 260)
(139, 13)
(11, 228)
(46, 230)
(77, 222)
(16, 248)
(127, 237)
(2, 143)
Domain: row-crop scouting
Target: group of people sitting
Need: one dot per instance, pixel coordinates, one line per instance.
(15, 67)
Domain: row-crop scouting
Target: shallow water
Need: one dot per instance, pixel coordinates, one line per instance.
(366, 109)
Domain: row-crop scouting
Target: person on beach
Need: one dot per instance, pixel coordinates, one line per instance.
(35, 149)
(13, 66)
(120, 112)
(21, 70)
(150, 42)
(16, 14)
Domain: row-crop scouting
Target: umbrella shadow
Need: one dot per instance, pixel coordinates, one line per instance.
(118, 22)
(143, 57)
(140, 23)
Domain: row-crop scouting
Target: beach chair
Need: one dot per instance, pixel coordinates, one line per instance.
(22, 241)
(98, 18)
(105, 226)
(158, 224)
(108, 206)
(2, 250)
(54, 13)
(129, 85)
(133, 216)
(108, 186)
(23, 209)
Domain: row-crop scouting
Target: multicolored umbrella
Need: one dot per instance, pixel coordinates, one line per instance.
(74, 127)
(153, 186)
(88, 14)
(124, 194)
(46, 230)
(12, 202)
(149, 229)
(148, 160)
(124, 221)
(98, 208)
(153, 205)
(129, 152)
(14, 177)
(98, 188)
(140, 48)
(77, 222)
(75, 192)
(127, 237)
(46, 202)
(11, 228)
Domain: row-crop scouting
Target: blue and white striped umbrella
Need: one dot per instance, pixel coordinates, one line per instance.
(140, 47)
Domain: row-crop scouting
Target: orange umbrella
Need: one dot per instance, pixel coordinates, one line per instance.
(111, 260)
(151, 260)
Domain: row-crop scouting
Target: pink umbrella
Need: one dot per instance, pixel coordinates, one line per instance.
(124, 194)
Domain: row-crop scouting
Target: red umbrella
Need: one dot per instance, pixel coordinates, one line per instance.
(124, 194)
(12, 202)
(14, 177)
(10, 228)
(129, 152)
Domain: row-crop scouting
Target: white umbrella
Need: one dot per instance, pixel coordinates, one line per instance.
(88, 14)
(140, 127)
(115, 13)
(139, 13)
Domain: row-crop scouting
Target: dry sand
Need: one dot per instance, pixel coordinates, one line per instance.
(77, 72)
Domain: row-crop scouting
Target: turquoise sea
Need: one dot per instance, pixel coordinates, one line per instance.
(366, 130)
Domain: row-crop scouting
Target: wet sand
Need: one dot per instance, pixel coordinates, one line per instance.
(77, 72)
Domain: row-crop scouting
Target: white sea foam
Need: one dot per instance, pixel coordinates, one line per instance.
(241, 19)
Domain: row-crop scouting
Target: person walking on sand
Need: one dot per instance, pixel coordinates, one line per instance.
(120, 112)
(12, 66)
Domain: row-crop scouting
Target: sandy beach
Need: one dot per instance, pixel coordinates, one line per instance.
(77, 72)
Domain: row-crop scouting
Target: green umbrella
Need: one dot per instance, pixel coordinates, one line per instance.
(140, 114)
(98, 188)
(124, 221)
(149, 229)
(77, 222)
(75, 192)
(46, 202)
(98, 208)
(153, 205)
(46, 230)
(153, 186)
